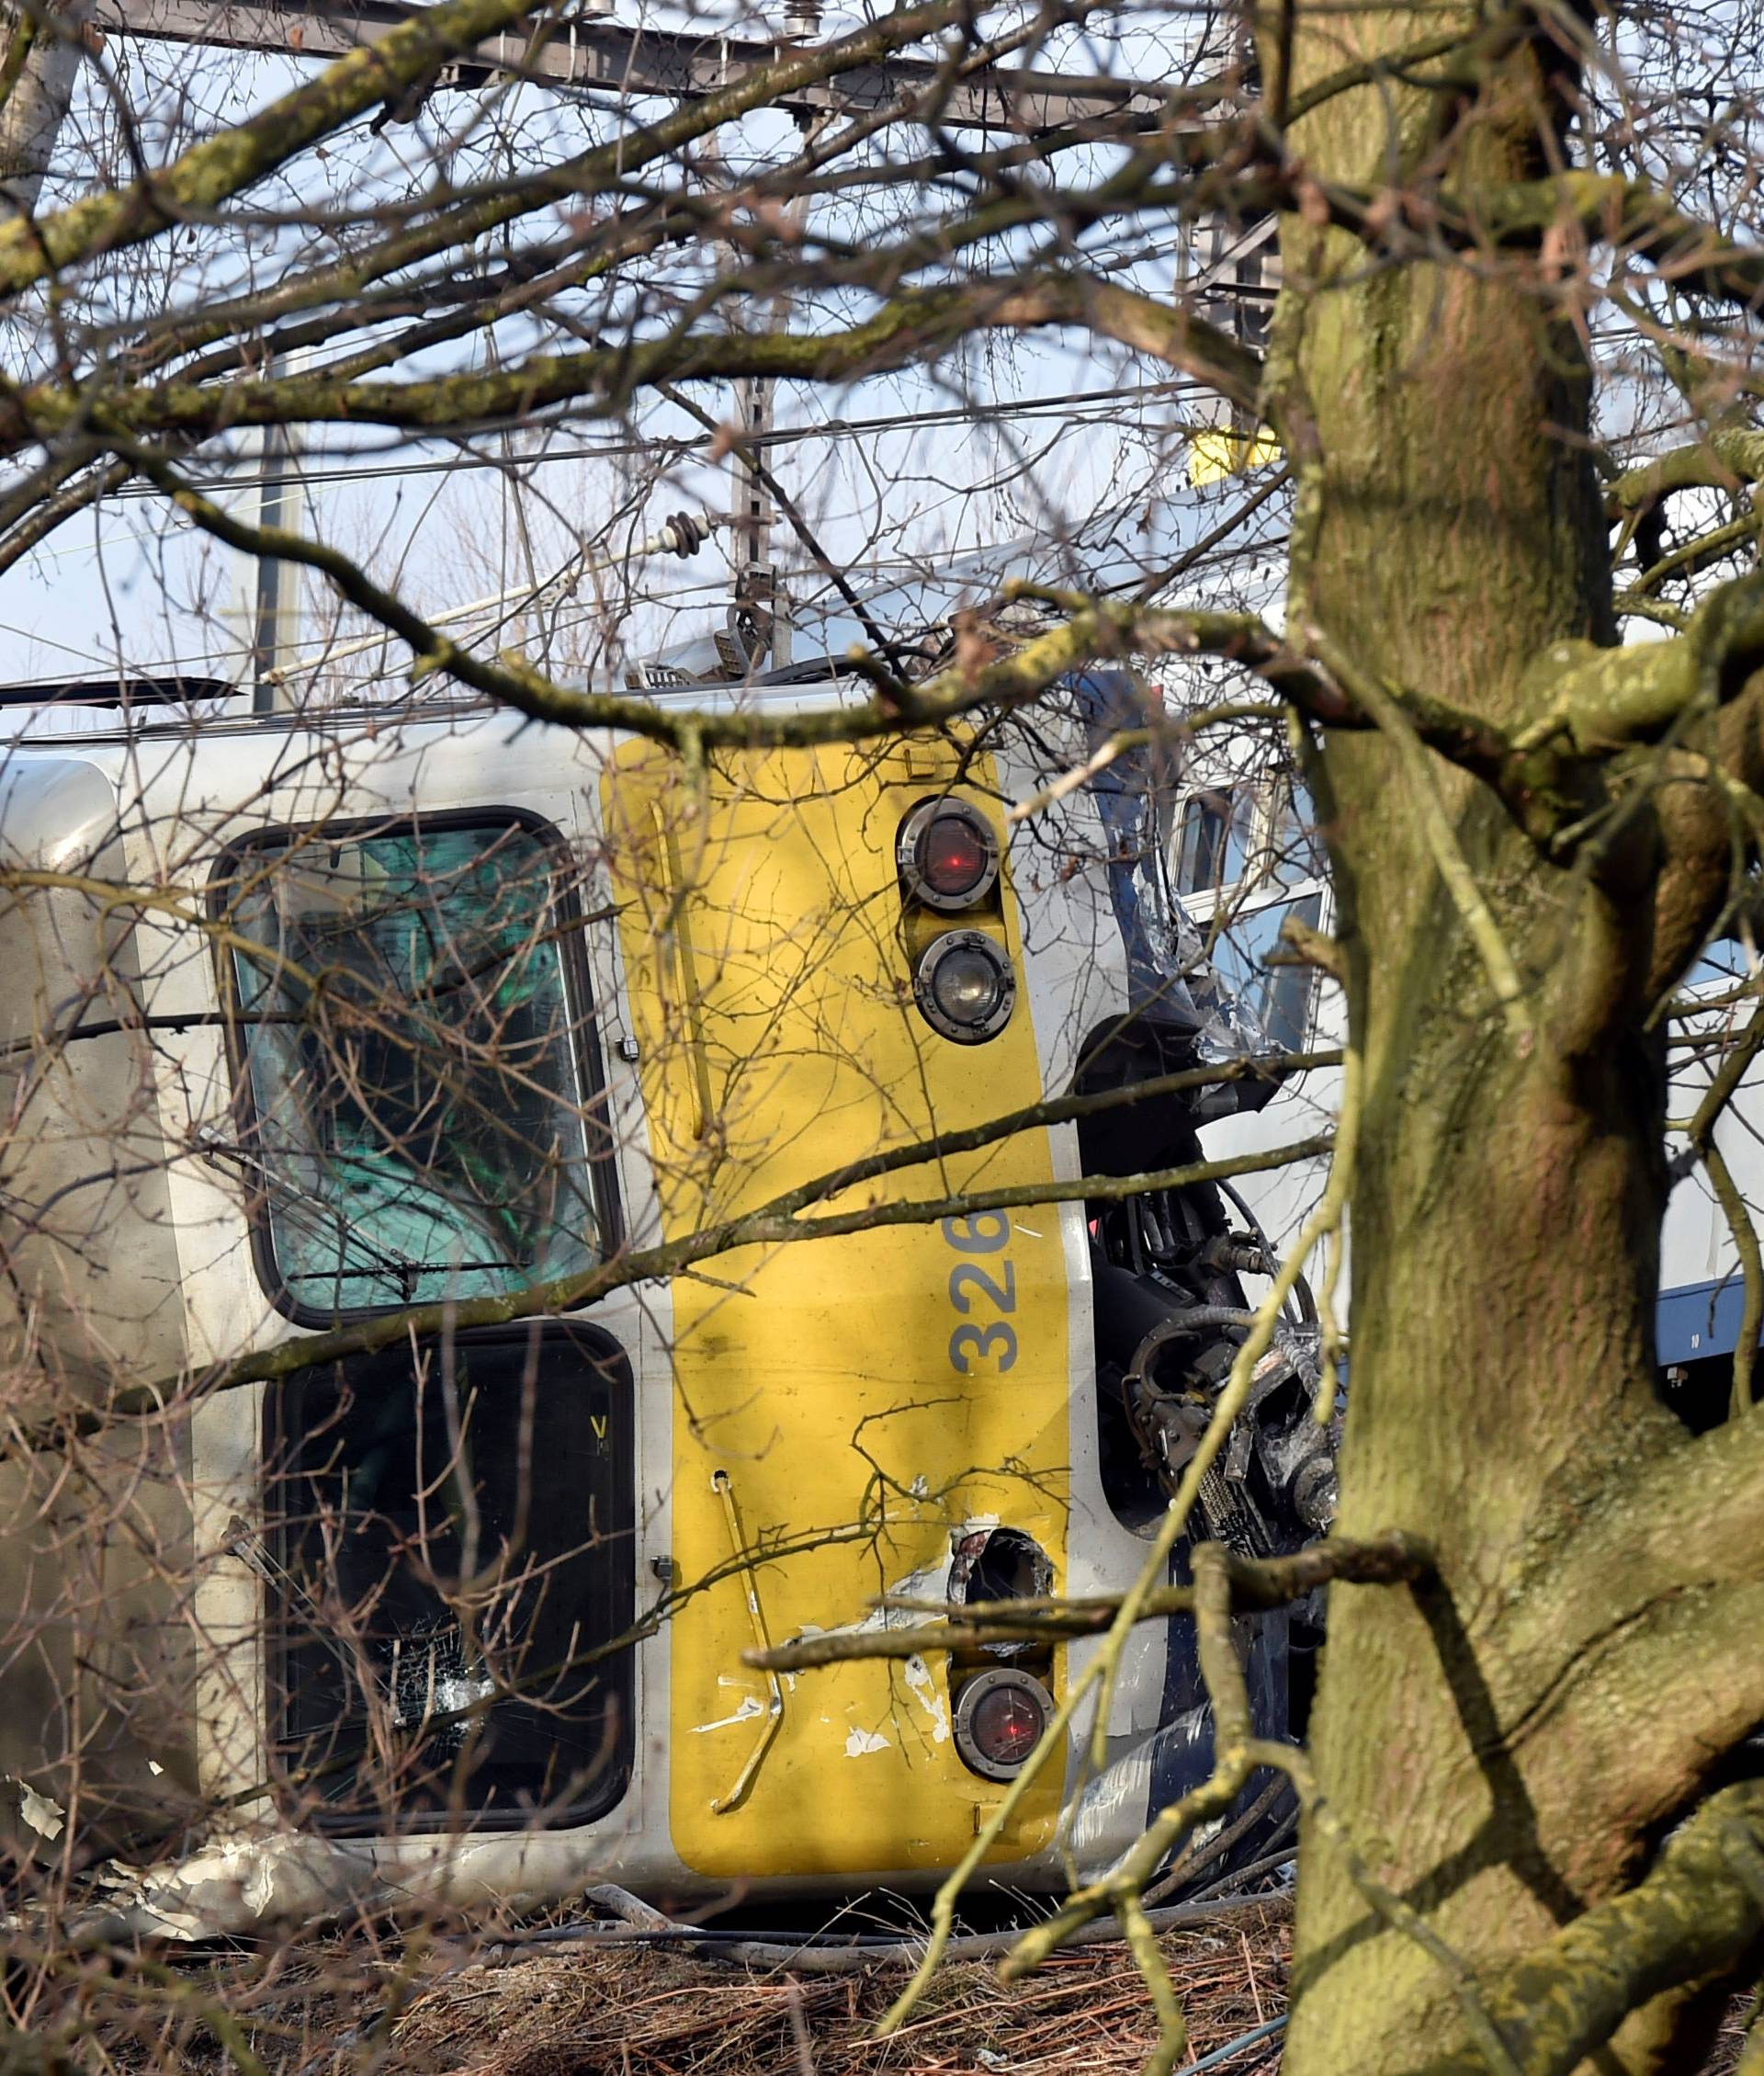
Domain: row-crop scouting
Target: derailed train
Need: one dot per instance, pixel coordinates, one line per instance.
(314, 1022)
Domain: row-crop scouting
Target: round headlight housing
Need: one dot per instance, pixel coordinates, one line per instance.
(964, 987)
(1001, 1716)
(947, 854)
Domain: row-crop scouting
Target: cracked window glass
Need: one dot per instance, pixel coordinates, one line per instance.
(418, 1127)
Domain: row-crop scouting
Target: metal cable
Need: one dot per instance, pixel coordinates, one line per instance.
(808, 1954)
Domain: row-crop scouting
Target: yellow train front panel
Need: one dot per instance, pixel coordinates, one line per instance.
(843, 1407)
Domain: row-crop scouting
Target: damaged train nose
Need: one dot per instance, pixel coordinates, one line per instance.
(999, 1564)
(999, 1711)
(1171, 1313)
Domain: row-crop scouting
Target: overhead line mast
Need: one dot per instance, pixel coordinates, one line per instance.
(593, 54)
(598, 55)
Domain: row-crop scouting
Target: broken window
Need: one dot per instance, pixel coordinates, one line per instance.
(449, 1570)
(420, 1123)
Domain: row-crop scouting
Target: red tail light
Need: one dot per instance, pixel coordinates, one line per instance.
(947, 854)
(1001, 1716)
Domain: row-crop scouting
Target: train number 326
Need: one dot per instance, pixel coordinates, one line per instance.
(977, 1289)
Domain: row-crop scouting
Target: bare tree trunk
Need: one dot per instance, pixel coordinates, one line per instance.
(1510, 1183)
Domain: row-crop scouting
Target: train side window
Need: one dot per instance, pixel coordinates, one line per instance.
(1245, 857)
(1211, 844)
(419, 1114)
(1278, 994)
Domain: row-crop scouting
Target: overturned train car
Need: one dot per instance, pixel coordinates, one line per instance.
(318, 1029)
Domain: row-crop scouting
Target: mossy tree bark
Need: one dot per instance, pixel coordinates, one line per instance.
(1506, 1747)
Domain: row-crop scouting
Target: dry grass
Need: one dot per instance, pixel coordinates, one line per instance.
(650, 2013)
(1725, 2058)
(370, 2003)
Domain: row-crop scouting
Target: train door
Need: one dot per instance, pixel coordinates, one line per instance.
(448, 1549)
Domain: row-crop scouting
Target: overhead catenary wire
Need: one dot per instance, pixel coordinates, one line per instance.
(682, 535)
(681, 448)
(683, 445)
(872, 568)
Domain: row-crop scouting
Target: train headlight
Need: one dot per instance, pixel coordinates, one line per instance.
(964, 986)
(947, 854)
(1000, 1718)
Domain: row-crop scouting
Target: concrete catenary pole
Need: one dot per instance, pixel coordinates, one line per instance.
(44, 49)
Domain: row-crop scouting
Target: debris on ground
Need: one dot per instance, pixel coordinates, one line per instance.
(450, 2003)
(371, 2002)
(654, 2013)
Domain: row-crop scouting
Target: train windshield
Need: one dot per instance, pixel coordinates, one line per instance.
(417, 1127)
